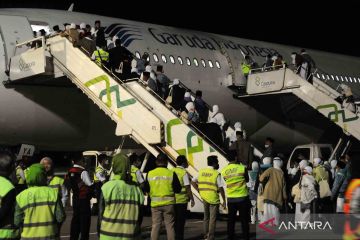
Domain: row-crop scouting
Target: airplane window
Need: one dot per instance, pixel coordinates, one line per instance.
(350, 79)
(180, 60)
(203, 62)
(332, 76)
(217, 64)
(211, 64)
(156, 59)
(337, 78)
(172, 60)
(163, 58)
(196, 62)
(318, 76)
(328, 77)
(188, 62)
(323, 77)
(137, 54)
(342, 79)
(346, 79)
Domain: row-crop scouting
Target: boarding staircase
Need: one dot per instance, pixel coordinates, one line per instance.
(320, 95)
(137, 111)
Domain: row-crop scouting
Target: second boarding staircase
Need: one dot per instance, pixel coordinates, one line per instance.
(320, 95)
(137, 111)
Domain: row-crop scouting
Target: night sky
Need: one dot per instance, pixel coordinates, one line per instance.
(333, 26)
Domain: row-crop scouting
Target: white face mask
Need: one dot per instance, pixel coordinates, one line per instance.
(266, 145)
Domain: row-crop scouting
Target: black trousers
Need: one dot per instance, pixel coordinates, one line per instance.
(180, 217)
(80, 223)
(244, 212)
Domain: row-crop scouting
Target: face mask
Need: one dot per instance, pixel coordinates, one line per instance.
(266, 145)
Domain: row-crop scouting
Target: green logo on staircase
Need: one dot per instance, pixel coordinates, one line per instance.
(108, 91)
(334, 115)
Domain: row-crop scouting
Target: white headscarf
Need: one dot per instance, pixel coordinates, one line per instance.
(277, 163)
(303, 164)
(267, 160)
(255, 166)
(215, 109)
(176, 81)
(190, 107)
(148, 68)
(72, 26)
(316, 162)
(237, 126)
(333, 163)
(82, 25)
(187, 95)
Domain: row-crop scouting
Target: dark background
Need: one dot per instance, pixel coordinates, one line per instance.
(325, 25)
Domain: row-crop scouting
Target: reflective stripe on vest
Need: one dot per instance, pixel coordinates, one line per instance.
(133, 173)
(38, 205)
(354, 184)
(120, 217)
(233, 175)
(161, 191)
(181, 197)
(56, 183)
(7, 232)
(207, 183)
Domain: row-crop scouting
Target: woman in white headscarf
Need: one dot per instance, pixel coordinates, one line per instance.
(308, 196)
(217, 117)
(192, 115)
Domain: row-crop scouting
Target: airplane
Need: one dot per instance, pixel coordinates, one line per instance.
(53, 115)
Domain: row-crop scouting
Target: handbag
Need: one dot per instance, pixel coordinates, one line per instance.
(324, 189)
(296, 192)
(169, 97)
(184, 117)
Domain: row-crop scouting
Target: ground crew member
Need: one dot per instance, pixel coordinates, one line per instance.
(38, 210)
(20, 176)
(80, 184)
(182, 198)
(100, 56)
(100, 177)
(236, 177)
(210, 183)
(7, 199)
(136, 174)
(120, 203)
(162, 184)
(246, 67)
(137, 177)
(54, 181)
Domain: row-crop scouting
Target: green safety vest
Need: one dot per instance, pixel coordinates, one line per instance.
(8, 231)
(245, 68)
(99, 170)
(120, 217)
(181, 197)
(38, 205)
(133, 173)
(18, 176)
(207, 184)
(56, 183)
(161, 190)
(101, 56)
(233, 175)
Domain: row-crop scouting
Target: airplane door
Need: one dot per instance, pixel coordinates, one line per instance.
(13, 30)
(2, 57)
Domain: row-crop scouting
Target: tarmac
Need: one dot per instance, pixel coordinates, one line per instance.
(193, 228)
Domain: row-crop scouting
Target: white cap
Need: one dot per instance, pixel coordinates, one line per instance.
(215, 109)
(148, 68)
(67, 27)
(82, 25)
(237, 126)
(277, 163)
(308, 169)
(187, 94)
(333, 163)
(72, 26)
(176, 81)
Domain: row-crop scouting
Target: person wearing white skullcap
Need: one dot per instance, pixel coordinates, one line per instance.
(277, 163)
(274, 191)
(319, 171)
(253, 178)
(303, 163)
(308, 195)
